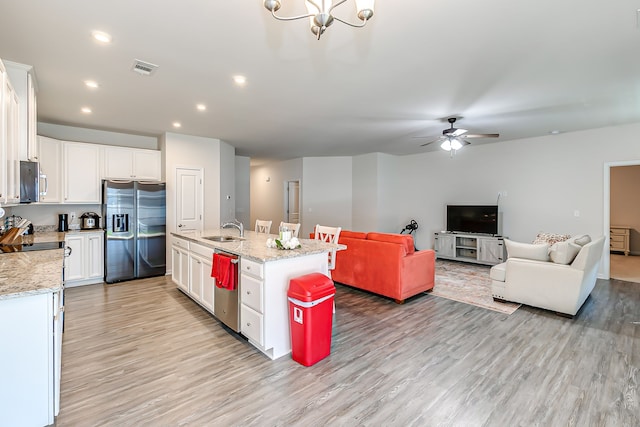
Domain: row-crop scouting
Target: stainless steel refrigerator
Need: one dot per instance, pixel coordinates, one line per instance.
(134, 218)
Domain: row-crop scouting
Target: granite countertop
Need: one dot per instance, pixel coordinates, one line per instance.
(33, 272)
(30, 273)
(254, 245)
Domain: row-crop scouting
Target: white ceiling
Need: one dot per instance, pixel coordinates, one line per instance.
(520, 68)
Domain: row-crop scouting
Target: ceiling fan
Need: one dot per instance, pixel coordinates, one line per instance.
(454, 138)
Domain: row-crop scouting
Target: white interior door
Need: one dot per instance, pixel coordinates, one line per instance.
(293, 201)
(188, 199)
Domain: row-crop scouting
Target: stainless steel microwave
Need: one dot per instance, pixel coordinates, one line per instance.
(29, 182)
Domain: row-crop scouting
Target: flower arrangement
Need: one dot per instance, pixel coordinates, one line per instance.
(292, 243)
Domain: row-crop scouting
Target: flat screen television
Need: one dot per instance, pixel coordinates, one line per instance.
(472, 219)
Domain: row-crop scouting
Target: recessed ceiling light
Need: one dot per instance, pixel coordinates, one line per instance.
(554, 132)
(91, 84)
(101, 36)
(240, 80)
(86, 110)
(177, 124)
(201, 107)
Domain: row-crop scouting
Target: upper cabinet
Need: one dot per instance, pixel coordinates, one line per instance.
(131, 163)
(23, 81)
(50, 170)
(11, 191)
(81, 172)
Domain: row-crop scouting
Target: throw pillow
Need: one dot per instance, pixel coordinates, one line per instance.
(538, 252)
(550, 238)
(580, 240)
(563, 252)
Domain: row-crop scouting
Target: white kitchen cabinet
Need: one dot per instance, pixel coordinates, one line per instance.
(81, 172)
(180, 263)
(264, 309)
(191, 271)
(131, 163)
(10, 185)
(73, 268)
(24, 84)
(201, 284)
(50, 151)
(195, 277)
(3, 134)
(31, 334)
(85, 263)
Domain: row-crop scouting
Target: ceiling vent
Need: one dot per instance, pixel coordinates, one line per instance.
(144, 68)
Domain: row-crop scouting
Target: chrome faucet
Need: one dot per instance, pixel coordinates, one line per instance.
(235, 223)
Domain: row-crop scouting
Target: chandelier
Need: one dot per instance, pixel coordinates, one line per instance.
(320, 13)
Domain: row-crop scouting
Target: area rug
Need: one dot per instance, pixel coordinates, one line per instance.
(467, 283)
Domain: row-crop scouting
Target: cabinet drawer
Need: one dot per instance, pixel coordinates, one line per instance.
(203, 251)
(617, 246)
(252, 295)
(180, 243)
(253, 268)
(617, 239)
(251, 324)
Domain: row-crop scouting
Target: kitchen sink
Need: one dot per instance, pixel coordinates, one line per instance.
(223, 238)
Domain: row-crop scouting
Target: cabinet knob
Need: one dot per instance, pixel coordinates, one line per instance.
(248, 323)
(248, 292)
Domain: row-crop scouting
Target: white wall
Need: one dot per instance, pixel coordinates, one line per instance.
(326, 193)
(45, 214)
(365, 191)
(196, 152)
(546, 180)
(242, 188)
(71, 133)
(267, 189)
(227, 174)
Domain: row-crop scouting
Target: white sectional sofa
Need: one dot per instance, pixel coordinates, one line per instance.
(555, 280)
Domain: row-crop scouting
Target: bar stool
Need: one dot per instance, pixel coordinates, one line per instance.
(329, 235)
(263, 226)
(295, 228)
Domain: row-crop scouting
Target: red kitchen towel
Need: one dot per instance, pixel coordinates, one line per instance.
(223, 271)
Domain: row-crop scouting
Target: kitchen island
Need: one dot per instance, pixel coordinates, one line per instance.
(263, 281)
(30, 335)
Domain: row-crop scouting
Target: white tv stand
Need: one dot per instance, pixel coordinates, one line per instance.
(476, 248)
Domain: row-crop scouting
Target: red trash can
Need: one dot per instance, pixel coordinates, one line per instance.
(310, 317)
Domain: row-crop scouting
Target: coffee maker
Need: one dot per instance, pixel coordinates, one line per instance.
(63, 222)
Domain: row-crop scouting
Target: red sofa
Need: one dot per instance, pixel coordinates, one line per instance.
(385, 264)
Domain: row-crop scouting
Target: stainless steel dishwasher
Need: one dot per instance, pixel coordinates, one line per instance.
(226, 303)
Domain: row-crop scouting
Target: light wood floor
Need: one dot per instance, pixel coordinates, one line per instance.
(625, 268)
(141, 353)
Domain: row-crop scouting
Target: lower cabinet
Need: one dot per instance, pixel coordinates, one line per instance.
(201, 284)
(85, 263)
(31, 336)
(478, 249)
(191, 271)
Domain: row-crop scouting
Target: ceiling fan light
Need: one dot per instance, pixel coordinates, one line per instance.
(446, 145)
(455, 144)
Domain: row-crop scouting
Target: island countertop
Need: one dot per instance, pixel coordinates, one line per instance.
(30, 273)
(254, 245)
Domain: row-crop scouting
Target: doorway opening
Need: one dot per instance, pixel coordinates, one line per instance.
(621, 208)
(292, 201)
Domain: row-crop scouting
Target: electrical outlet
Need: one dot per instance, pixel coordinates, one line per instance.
(72, 216)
